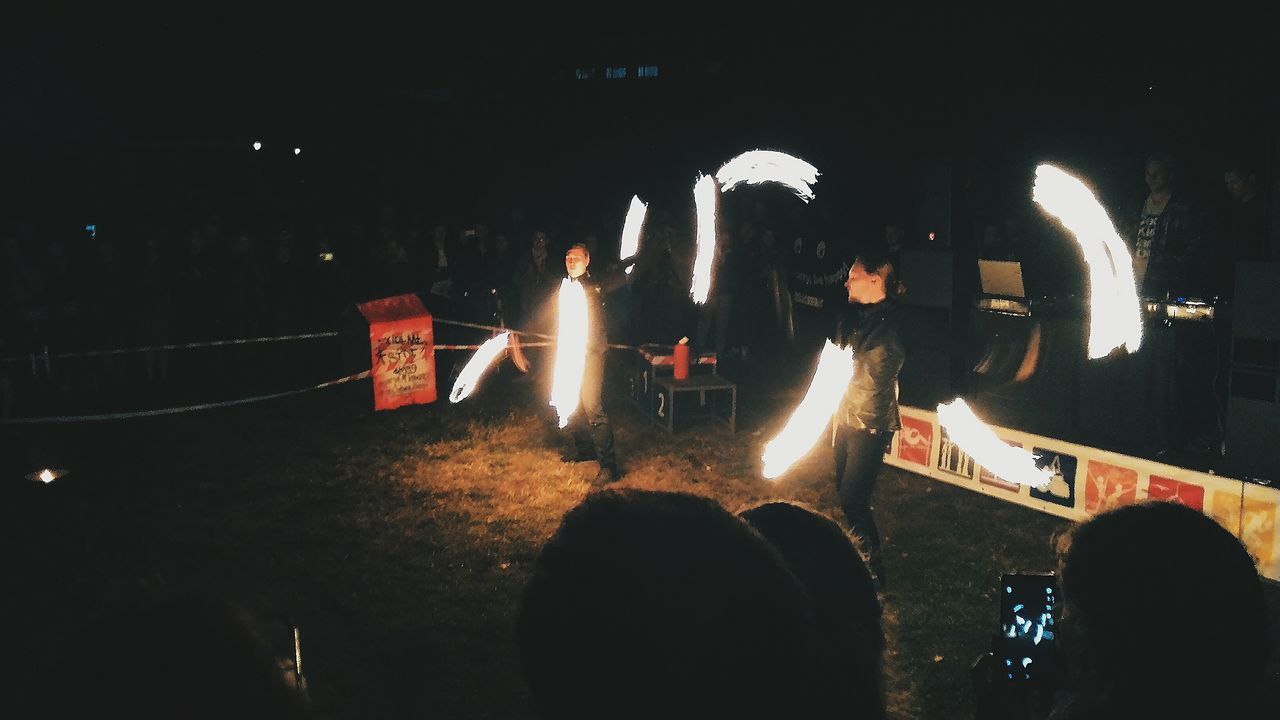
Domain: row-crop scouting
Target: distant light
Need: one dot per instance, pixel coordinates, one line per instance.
(257, 145)
(297, 151)
(46, 475)
(615, 73)
(933, 236)
(1150, 88)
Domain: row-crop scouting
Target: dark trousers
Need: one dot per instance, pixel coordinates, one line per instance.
(859, 455)
(592, 433)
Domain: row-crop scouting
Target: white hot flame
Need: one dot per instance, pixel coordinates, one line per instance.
(759, 166)
(704, 199)
(631, 231)
(1115, 317)
(47, 476)
(809, 420)
(475, 367)
(571, 349)
(980, 442)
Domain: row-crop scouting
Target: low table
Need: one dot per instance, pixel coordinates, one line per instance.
(654, 361)
(715, 397)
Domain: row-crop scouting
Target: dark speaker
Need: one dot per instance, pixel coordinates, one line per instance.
(1253, 389)
(925, 327)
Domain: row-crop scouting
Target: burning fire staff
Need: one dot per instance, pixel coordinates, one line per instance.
(584, 414)
(868, 414)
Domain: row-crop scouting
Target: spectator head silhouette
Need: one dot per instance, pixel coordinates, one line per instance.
(1163, 615)
(650, 604)
(829, 564)
(1241, 180)
(1161, 171)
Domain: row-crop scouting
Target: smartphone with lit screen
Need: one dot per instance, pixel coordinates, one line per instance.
(1026, 648)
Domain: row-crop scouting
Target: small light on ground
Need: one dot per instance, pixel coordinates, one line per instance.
(46, 475)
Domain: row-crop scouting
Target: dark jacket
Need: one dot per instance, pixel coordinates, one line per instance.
(871, 402)
(1177, 250)
(597, 338)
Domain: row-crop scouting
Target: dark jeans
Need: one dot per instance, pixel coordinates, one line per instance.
(859, 455)
(592, 433)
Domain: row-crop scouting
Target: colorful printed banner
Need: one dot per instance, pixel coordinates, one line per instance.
(1087, 481)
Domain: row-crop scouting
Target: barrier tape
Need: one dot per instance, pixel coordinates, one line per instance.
(477, 347)
(243, 401)
(174, 411)
(180, 346)
(46, 356)
(493, 328)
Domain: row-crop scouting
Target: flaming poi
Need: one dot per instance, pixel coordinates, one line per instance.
(571, 349)
(810, 418)
(1115, 317)
(631, 232)
(704, 199)
(760, 166)
(980, 442)
(477, 365)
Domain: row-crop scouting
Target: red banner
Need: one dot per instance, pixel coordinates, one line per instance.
(403, 351)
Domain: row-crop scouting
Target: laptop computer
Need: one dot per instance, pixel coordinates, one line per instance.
(1002, 288)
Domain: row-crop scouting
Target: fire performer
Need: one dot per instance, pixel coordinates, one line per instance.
(592, 433)
(868, 415)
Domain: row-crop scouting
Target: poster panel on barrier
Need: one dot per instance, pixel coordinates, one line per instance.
(1260, 534)
(1166, 488)
(953, 459)
(402, 345)
(915, 440)
(1062, 484)
(1251, 519)
(1108, 486)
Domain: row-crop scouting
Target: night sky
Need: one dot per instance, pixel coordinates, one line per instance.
(493, 104)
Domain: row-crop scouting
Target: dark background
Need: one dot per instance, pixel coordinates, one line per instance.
(473, 109)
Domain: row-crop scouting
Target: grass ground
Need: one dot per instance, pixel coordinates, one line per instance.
(399, 542)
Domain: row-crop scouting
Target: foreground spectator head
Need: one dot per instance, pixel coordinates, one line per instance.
(846, 608)
(658, 605)
(1163, 615)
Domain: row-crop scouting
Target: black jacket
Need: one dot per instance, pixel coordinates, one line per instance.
(871, 402)
(597, 339)
(1177, 250)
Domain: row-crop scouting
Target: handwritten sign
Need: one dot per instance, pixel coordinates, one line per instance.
(403, 351)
